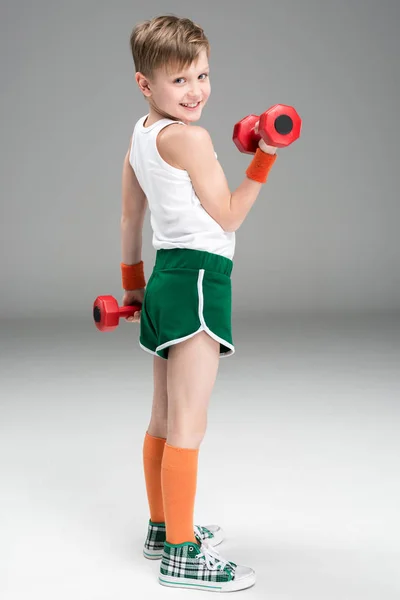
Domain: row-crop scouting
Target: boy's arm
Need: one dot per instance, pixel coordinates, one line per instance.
(134, 204)
(192, 149)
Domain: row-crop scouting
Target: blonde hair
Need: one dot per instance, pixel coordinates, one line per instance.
(167, 42)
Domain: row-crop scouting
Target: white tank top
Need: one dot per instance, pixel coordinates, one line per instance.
(177, 217)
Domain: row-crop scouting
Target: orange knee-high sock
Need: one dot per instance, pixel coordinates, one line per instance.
(153, 449)
(179, 482)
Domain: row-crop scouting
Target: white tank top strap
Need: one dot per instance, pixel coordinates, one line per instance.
(157, 126)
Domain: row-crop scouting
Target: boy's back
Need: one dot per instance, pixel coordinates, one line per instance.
(178, 217)
(191, 149)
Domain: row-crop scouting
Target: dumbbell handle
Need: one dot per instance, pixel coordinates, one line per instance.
(128, 311)
(119, 311)
(256, 137)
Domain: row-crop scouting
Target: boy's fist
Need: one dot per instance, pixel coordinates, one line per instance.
(133, 297)
(262, 145)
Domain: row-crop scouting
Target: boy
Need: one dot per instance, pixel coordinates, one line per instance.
(185, 319)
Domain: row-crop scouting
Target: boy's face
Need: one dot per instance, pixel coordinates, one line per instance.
(167, 93)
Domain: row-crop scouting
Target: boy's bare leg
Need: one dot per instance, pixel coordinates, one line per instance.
(191, 375)
(159, 412)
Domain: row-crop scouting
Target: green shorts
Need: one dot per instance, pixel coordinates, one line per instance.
(188, 291)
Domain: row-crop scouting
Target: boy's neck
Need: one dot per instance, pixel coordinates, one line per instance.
(155, 116)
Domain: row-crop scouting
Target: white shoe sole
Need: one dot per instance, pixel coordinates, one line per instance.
(152, 554)
(210, 586)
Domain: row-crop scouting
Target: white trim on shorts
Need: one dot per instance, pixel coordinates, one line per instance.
(203, 327)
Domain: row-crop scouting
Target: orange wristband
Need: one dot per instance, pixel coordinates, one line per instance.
(260, 166)
(133, 276)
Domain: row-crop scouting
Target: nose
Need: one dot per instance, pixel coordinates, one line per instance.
(194, 91)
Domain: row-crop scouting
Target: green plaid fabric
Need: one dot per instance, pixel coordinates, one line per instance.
(156, 536)
(187, 561)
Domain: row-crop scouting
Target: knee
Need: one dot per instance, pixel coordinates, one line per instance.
(158, 428)
(185, 436)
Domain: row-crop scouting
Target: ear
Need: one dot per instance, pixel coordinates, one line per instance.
(143, 83)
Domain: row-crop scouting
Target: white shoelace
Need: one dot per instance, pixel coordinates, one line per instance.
(213, 559)
(198, 532)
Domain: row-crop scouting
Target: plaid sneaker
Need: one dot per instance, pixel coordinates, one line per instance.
(154, 544)
(198, 567)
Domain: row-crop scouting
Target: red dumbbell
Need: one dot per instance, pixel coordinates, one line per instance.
(107, 313)
(278, 126)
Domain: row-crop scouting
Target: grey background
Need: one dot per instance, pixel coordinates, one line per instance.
(323, 234)
(304, 418)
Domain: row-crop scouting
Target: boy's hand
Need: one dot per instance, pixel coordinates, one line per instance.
(262, 145)
(133, 297)
(266, 148)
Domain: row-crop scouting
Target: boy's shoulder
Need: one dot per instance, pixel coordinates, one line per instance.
(174, 142)
(183, 133)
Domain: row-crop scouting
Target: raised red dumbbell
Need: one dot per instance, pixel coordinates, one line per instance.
(278, 126)
(107, 313)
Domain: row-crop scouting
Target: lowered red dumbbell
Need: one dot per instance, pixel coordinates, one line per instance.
(107, 313)
(278, 126)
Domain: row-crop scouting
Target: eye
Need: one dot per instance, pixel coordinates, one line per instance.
(179, 78)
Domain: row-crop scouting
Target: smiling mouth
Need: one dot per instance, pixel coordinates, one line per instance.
(191, 105)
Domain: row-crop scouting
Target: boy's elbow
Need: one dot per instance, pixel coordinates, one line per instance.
(229, 227)
(229, 223)
(130, 219)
